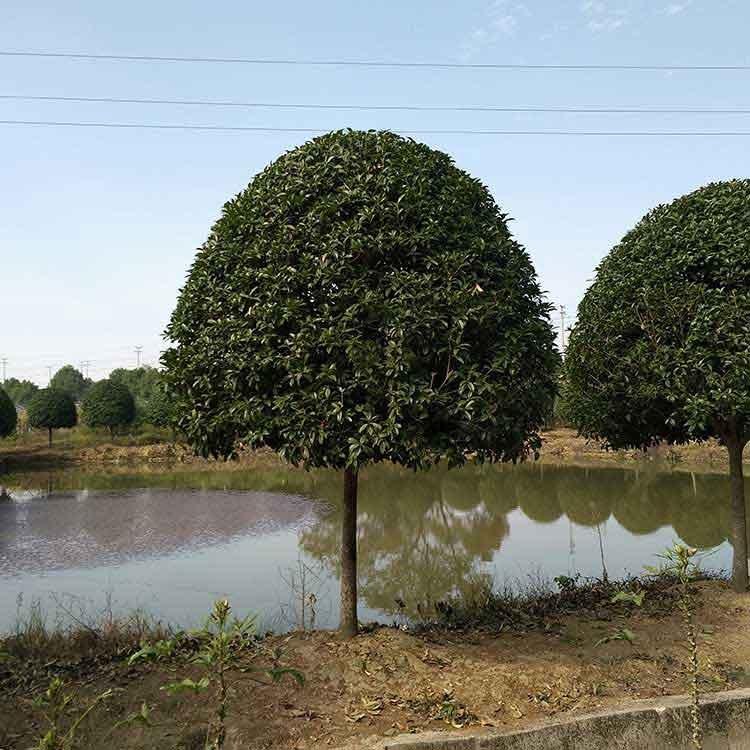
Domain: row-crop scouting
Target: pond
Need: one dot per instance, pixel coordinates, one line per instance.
(171, 543)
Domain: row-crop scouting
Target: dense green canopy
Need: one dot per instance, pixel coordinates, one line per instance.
(142, 382)
(661, 349)
(71, 381)
(362, 300)
(8, 415)
(20, 391)
(108, 404)
(52, 409)
(158, 410)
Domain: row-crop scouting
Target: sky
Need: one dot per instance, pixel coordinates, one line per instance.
(98, 226)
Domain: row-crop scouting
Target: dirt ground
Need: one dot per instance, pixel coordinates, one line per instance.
(563, 445)
(388, 681)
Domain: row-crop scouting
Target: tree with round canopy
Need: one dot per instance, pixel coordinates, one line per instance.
(362, 300)
(8, 415)
(159, 409)
(52, 409)
(498, 490)
(71, 381)
(661, 348)
(108, 404)
(537, 494)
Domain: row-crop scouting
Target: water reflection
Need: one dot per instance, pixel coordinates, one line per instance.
(422, 536)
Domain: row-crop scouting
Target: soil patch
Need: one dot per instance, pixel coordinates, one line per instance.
(388, 681)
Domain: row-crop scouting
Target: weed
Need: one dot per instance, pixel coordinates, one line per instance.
(223, 642)
(304, 584)
(77, 634)
(679, 561)
(157, 651)
(629, 597)
(622, 634)
(63, 716)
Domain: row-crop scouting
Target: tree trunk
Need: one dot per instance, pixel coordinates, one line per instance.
(739, 524)
(348, 622)
(50, 436)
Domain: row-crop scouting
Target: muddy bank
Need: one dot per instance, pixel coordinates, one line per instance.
(560, 446)
(389, 681)
(566, 446)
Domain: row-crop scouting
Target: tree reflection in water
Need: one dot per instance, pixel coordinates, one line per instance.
(424, 537)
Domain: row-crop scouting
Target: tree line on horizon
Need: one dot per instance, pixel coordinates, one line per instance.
(126, 397)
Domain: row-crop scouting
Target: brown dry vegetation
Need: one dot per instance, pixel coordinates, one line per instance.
(564, 445)
(387, 681)
(560, 445)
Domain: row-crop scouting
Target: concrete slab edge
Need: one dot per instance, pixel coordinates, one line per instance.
(653, 724)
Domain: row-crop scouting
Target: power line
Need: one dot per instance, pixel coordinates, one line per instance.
(369, 63)
(309, 131)
(579, 109)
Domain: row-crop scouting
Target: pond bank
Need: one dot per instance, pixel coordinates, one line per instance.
(560, 446)
(542, 662)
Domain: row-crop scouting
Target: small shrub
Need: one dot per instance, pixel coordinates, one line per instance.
(223, 642)
(64, 715)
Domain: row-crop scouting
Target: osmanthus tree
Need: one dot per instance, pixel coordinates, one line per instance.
(8, 415)
(20, 391)
(362, 300)
(52, 409)
(70, 380)
(108, 404)
(661, 349)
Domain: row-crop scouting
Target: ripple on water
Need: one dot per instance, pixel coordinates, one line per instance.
(88, 529)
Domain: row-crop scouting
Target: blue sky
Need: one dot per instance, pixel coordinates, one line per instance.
(98, 227)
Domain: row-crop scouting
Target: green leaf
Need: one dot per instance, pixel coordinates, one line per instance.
(187, 685)
(629, 597)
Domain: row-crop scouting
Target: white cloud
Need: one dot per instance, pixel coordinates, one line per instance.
(604, 15)
(505, 24)
(502, 18)
(676, 8)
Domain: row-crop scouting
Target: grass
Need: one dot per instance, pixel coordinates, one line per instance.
(537, 602)
(86, 437)
(39, 644)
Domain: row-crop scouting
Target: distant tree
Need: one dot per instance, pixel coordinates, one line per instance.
(159, 409)
(361, 301)
(20, 391)
(109, 405)
(142, 382)
(52, 409)
(661, 349)
(70, 380)
(8, 415)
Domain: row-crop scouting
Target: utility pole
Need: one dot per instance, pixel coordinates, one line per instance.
(49, 375)
(562, 327)
(85, 367)
(138, 350)
(4, 360)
